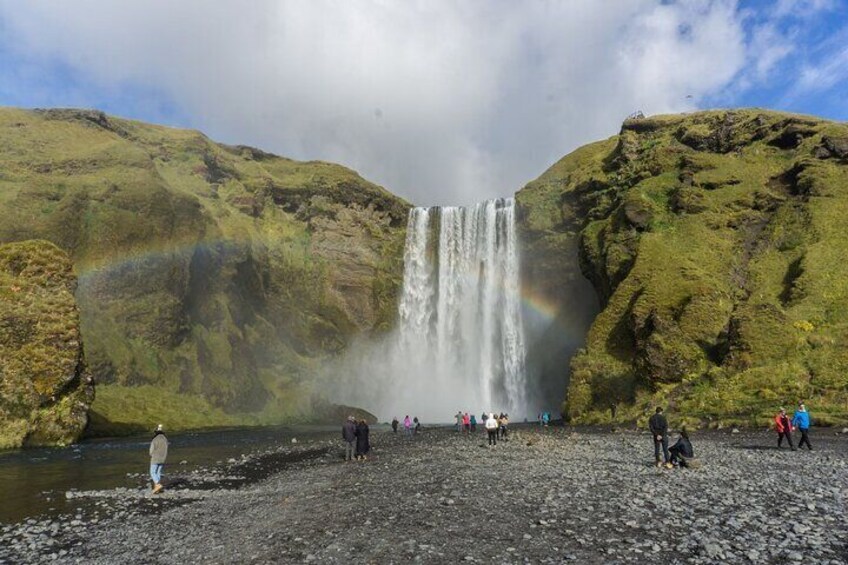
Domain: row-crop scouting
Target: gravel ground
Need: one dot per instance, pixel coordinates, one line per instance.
(550, 496)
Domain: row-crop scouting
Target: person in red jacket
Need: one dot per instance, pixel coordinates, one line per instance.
(784, 429)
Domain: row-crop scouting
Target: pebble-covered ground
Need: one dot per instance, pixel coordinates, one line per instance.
(549, 496)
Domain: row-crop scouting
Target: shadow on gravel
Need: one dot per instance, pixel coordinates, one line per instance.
(251, 471)
(759, 448)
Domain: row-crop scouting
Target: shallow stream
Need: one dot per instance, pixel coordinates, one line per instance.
(34, 481)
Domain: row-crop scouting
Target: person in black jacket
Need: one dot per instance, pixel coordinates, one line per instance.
(682, 449)
(349, 437)
(363, 446)
(659, 430)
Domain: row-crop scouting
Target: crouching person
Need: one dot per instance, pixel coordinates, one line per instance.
(682, 451)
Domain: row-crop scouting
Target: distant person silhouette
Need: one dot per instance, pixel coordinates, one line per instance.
(503, 423)
(158, 455)
(407, 426)
(659, 430)
(492, 429)
(801, 420)
(783, 425)
(395, 424)
(363, 445)
(349, 437)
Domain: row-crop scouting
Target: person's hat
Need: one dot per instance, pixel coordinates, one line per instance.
(351, 418)
(782, 409)
(159, 428)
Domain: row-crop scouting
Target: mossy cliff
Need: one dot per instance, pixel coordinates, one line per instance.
(212, 279)
(45, 390)
(717, 244)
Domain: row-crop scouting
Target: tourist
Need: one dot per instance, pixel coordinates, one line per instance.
(473, 422)
(363, 446)
(458, 421)
(492, 429)
(681, 450)
(416, 424)
(801, 420)
(546, 418)
(394, 424)
(503, 423)
(407, 426)
(784, 429)
(158, 454)
(659, 430)
(466, 423)
(349, 437)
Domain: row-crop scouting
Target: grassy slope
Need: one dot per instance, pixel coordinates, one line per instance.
(716, 242)
(211, 277)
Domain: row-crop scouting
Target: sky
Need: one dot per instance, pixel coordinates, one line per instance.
(442, 102)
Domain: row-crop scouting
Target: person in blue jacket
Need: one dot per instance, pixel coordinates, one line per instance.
(801, 420)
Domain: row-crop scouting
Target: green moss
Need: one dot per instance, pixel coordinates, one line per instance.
(717, 257)
(202, 268)
(45, 389)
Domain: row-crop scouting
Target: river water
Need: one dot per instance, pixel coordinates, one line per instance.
(34, 481)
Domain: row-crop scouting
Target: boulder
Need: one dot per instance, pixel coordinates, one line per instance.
(46, 390)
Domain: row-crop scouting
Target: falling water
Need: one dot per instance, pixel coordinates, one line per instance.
(460, 311)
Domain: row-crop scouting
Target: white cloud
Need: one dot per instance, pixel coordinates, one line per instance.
(442, 102)
(824, 75)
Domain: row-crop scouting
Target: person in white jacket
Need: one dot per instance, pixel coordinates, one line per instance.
(492, 429)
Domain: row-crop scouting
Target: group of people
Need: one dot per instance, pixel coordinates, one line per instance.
(467, 423)
(682, 451)
(496, 425)
(355, 435)
(410, 427)
(800, 421)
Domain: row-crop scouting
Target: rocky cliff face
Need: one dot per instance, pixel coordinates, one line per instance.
(212, 279)
(715, 242)
(45, 390)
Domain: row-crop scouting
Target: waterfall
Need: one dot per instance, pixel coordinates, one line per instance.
(460, 310)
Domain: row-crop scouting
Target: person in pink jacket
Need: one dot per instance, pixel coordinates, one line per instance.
(407, 426)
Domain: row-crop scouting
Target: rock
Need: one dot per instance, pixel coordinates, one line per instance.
(45, 378)
(712, 549)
